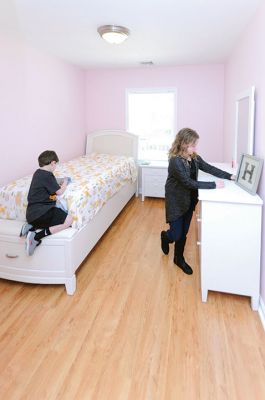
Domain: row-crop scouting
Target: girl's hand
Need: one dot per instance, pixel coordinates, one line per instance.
(219, 184)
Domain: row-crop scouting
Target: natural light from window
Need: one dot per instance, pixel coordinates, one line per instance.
(151, 115)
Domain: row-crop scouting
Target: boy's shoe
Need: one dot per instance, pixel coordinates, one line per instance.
(25, 229)
(31, 243)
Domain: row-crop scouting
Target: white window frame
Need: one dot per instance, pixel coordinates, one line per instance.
(150, 91)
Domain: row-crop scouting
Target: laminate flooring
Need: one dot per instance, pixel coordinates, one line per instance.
(135, 329)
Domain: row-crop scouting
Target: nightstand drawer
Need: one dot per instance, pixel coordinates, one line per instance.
(153, 181)
(151, 172)
(155, 192)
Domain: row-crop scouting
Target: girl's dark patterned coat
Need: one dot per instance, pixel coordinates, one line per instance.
(180, 188)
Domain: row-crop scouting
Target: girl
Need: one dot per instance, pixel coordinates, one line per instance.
(181, 191)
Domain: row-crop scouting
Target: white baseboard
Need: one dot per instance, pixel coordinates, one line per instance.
(261, 312)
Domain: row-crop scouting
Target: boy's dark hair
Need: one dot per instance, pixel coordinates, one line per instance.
(46, 157)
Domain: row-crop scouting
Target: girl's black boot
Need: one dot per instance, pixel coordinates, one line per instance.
(179, 258)
(165, 242)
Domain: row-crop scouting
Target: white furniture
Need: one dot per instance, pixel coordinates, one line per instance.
(154, 176)
(59, 256)
(229, 239)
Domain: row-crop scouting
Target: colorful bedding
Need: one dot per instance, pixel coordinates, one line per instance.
(95, 178)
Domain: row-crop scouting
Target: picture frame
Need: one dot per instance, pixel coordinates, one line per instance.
(249, 172)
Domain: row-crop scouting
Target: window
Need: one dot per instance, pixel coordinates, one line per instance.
(151, 115)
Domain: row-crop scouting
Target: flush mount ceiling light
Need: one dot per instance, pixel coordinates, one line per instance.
(113, 34)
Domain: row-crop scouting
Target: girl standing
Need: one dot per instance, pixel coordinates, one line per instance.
(181, 191)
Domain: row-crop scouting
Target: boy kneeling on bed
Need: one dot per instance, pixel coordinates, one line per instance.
(42, 212)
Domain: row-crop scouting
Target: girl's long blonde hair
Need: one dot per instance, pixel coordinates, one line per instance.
(184, 138)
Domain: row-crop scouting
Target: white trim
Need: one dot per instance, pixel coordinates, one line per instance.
(250, 95)
(153, 90)
(261, 312)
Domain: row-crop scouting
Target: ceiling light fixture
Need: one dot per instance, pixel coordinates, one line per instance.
(113, 34)
(146, 63)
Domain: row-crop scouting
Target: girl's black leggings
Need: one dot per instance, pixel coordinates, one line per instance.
(178, 229)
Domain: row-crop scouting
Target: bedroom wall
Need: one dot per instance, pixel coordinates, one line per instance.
(42, 106)
(244, 68)
(200, 91)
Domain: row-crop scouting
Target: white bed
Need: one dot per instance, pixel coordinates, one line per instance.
(60, 255)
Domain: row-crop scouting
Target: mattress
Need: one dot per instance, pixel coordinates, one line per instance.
(95, 178)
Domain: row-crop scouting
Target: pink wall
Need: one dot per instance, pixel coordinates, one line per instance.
(245, 68)
(200, 92)
(42, 106)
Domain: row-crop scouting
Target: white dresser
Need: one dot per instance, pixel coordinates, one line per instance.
(229, 239)
(154, 176)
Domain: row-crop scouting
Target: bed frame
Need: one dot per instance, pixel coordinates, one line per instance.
(59, 256)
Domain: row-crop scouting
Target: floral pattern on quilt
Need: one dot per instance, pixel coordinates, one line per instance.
(95, 178)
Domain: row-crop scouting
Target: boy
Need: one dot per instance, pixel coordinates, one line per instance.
(42, 212)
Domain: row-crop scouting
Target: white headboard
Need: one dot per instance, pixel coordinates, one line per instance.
(115, 142)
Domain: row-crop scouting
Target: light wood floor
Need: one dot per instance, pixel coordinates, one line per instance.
(135, 329)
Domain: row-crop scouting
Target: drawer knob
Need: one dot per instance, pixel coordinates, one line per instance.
(12, 255)
(198, 243)
(199, 220)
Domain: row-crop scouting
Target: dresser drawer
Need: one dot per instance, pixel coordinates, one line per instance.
(198, 222)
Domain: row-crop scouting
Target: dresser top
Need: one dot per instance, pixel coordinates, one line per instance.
(231, 193)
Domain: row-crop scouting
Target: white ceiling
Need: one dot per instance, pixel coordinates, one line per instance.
(166, 32)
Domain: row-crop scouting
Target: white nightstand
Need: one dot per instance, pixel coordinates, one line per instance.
(154, 176)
